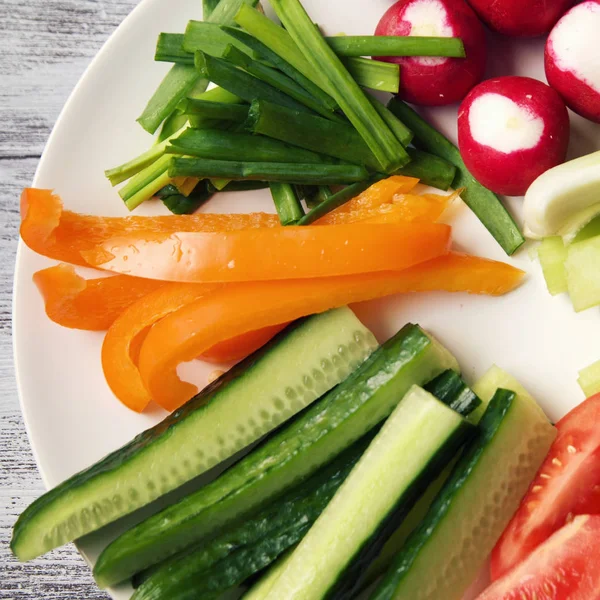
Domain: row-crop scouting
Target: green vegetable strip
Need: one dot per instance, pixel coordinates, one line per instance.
(310, 132)
(393, 45)
(208, 6)
(242, 84)
(278, 80)
(180, 204)
(218, 94)
(209, 38)
(320, 194)
(374, 74)
(145, 177)
(286, 202)
(173, 124)
(237, 113)
(351, 99)
(173, 88)
(430, 169)
(226, 10)
(285, 67)
(484, 203)
(338, 200)
(152, 188)
(403, 134)
(228, 145)
(169, 48)
(267, 171)
(238, 186)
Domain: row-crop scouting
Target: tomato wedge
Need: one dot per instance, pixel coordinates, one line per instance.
(565, 567)
(237, 308)
(567, 484)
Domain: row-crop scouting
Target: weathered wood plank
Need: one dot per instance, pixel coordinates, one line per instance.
(45, 47)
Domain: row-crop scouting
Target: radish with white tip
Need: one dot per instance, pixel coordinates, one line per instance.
(572, 59)
(511, 130)
(433, 81)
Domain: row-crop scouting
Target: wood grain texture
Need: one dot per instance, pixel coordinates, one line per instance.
(45, 47)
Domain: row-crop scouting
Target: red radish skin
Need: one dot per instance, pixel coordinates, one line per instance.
(571, 59)
(510, 131)
(521, 18)
(431, 81)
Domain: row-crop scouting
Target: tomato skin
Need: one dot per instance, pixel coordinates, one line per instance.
(567, 484)
(565, 567)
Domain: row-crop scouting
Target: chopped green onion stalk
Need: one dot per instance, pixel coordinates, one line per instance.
(395, 45)
(226, 10)
(176, 122)
(319, 195)
(209, 38)
(218, 94)
(179, 204)
(553, 255)
(403, 134)
(144, 179)
(484, 203)
(208, 6)
(242, 84)
(286, 202)
(233, 146)
(351, 99)
(337, 200)
(203, 109)
(374, 74)
(589, 379)
(267, 171)
(238, 186)
(148, 191)
(220, 183)
(169, 48)
(429, 169)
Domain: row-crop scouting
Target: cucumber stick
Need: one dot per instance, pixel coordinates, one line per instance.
(415, 443)
(553, 254)
(210, 428)
(444, 554)
(260, 590)
(290, 455)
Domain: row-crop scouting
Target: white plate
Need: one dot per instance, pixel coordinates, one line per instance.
(71, 416)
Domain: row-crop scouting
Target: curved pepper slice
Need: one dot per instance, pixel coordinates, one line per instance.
(90, 304)
(272, 254)
(62, 235)
(237, 308)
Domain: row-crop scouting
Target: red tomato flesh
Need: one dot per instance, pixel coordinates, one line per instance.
(567, 484)
(564, 567)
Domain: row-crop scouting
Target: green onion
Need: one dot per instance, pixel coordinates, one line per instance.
(218, 94)
(237, 113)
(351, 99)
(173, 88)
(208, 6)
(403, 134)
(227, 145)
(169, 48)
(318, 195)
(286, 202)
(238, 186)
(310, 132)
(242, 84)
(374, 74)
(395, 45)
(180, 204)
(176, 122)
(285, 67)
(209, 38)
(484, 203)
(429, 169)
(267, 171)
(338, 200)
(226, 10)
(276, 79)
(145, 178)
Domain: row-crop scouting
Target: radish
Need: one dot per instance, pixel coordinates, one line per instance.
(573, 61)
(511, 130)
(432, 81)
(522, 18)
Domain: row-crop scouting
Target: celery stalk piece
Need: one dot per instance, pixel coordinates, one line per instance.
(286, 202)
(243, 84)
(347, 93)
(583, 274)
(589, 379)
(131, 168)
(403, 134)
(553, 254)
(374, 74)
(173, 88)
(285, 67)
(394, 45)
(169, 48)
(267, 171)
(484, 203)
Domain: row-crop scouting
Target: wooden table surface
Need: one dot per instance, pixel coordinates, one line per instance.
(45, 47)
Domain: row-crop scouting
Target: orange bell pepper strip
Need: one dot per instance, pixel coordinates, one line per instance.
(277, 253)
(62, 235)
(90, 304)
(238, 308)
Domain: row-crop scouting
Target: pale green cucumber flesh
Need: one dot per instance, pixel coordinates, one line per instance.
(421, 431)
(343, 416)
(443, 556)
(553, 254)
(589, 379)
(252, 399)
(583, 274)
(260, 590)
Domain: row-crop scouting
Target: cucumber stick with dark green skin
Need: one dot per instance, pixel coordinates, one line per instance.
(211, 565)
(210, 428)
(443, 555)
(287, 457)
(450, 388)
(421, 436)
